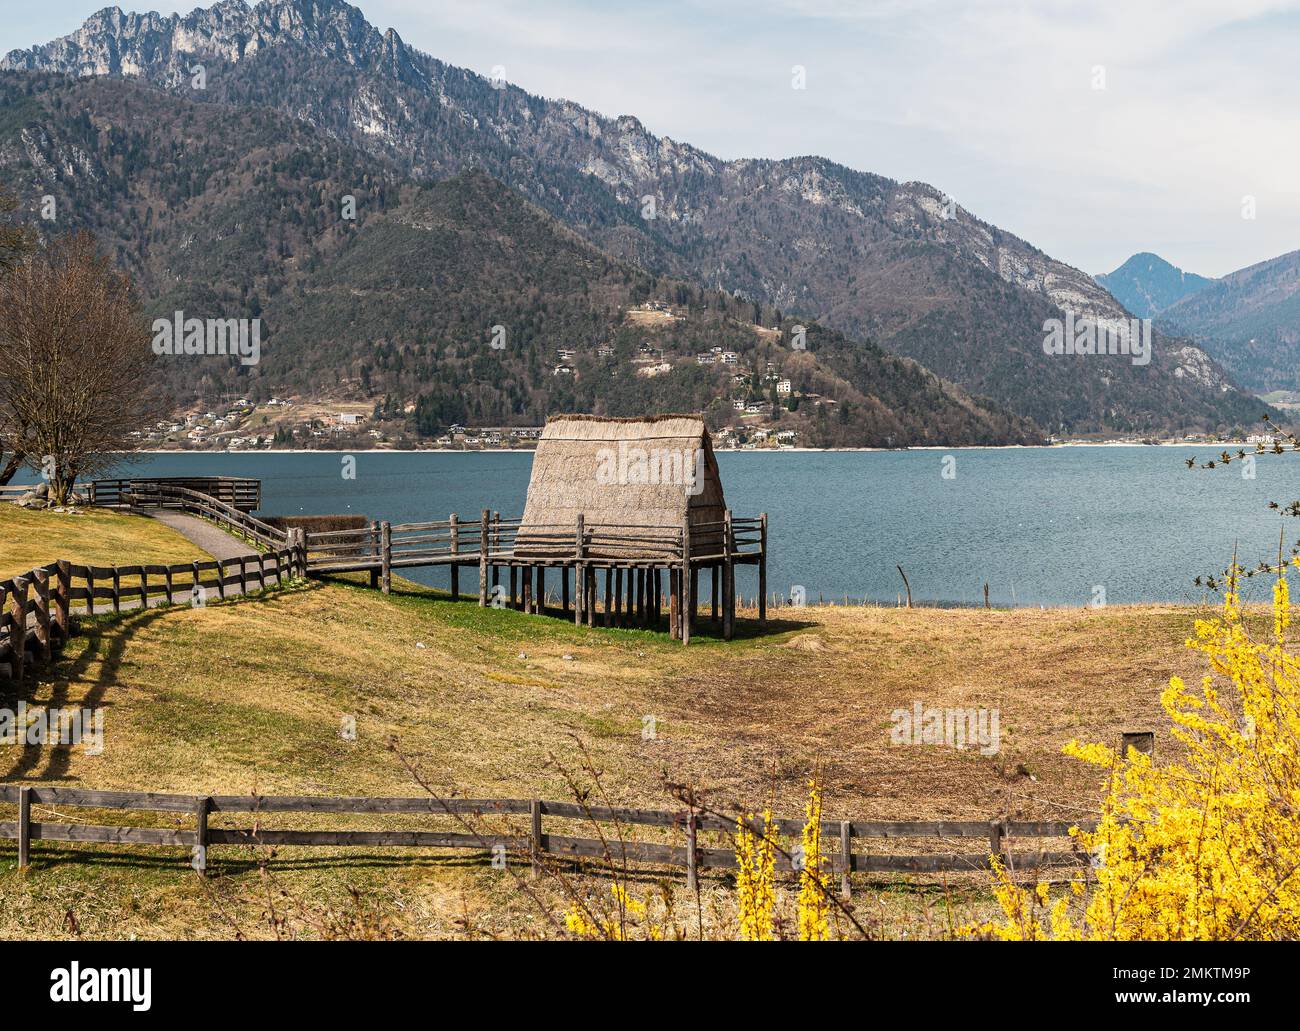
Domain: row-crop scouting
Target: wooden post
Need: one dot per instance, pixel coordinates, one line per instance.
(579, 573)
(996, 843)
(374, 553)
(609, 580)
(715, 584)
(527, 600)
(90, 591)
(42, 613)
(117, 590)
(692, 858)
(62, 593)
(18, 632)
(640, 597)
(684, 581)
(221, 578)
(846, 859)
(455, 550)
(535, 841)
(617, 599)
(695, 597)
(24, 827)
(539, 599)
(591, 593)
(674, 602)
(564, 590)
(197, 588)
(484, 548)
(514, 586)
(144, 588)
(243, 575)
(1143, 740)
(386, 544)
(495, 546)
(201, 807)
(728, 577)
(762, 569)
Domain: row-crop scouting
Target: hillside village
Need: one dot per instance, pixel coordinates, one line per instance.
(753, 395)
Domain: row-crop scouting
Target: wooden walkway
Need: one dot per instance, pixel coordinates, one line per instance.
(610, 575)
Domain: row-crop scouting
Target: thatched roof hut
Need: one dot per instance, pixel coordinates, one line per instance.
(635, 479)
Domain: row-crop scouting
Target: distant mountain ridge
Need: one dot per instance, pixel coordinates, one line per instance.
(219, 210)
(1250, 321)
(898, 263)
(1146, 284)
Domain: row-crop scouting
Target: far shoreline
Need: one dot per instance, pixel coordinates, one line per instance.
(1216, 445)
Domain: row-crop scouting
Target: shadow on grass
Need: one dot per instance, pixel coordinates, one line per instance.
(705, 629)
(105, 641)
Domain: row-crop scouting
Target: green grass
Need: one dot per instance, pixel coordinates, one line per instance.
(33, 537)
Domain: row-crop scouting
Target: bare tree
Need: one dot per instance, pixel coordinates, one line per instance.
(15, 242)
(74, 361)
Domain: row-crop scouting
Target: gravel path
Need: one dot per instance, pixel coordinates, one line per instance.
(215, 541)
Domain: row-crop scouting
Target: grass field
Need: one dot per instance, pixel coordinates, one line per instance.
(31, 538)
(251, 696)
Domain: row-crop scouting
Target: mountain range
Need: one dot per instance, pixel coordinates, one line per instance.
(110, 120)
(1248, 320)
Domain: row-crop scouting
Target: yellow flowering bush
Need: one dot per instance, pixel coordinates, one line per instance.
(813, 879)
(1206, 847)
(756, 877)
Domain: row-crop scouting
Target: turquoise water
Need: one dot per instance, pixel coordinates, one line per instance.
(1041, 526)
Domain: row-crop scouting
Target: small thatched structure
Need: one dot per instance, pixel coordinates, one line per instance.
(635, 479)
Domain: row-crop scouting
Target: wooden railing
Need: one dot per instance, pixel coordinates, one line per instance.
(462, 541)
(532, 842)
(227, 516)
(35, 606)
(238, 492)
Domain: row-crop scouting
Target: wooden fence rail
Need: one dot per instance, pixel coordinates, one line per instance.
(35, 606)
(534, 841)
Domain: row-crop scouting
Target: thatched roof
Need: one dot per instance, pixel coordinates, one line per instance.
(654, 472)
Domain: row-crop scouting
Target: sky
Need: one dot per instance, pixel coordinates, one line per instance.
(1093, 129)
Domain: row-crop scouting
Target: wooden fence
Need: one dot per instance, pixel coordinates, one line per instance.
(239, 492)
(35, 606)
(534, 842)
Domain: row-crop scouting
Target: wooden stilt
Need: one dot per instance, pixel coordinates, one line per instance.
(609, 596)
(685, 582)
(527, 601)
(695, 597)
(762, 569)
(728, 578)
(674, 610)
(579, 573)
(455, 550)
(514, 586)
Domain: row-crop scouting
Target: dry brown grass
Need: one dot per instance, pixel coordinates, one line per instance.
(250, 696)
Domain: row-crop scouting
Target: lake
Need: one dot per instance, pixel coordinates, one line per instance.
(1043, 526)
